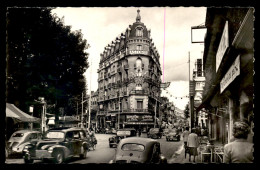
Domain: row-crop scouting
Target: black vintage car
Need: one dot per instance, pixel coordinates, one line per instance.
(120, 134)
(155, 133)
(57, 144)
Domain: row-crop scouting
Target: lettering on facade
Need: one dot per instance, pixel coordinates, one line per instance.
(138, 52)
(231, 74)
(139, 118)
(223, 45)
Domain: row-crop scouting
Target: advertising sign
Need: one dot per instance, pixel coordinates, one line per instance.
(223, 45)
(139, 118)
(138, 52)
(231, 74)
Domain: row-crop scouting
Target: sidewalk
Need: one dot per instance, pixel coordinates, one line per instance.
(179, 157)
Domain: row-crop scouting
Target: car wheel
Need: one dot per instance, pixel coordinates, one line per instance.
(28, 160)
(110, 146)
(59, 157)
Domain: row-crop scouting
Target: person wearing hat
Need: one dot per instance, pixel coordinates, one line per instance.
(239, 151)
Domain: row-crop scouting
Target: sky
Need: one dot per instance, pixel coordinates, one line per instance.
(170, 31)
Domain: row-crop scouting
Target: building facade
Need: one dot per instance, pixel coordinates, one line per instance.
(228, 63)
(129, 78)
(199, 83)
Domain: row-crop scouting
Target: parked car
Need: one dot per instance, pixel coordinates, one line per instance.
(165, 131)
(108, 131)
(154, 133)
(113, 130)
(58, 144)
(137, 150)
(173, 134)
(120, 134)
(19, 139)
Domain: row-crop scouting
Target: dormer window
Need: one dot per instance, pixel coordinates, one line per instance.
(139, 31)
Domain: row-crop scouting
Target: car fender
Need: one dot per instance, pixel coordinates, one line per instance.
(85, 145)
(65, 150)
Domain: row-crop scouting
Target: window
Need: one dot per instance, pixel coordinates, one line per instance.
(138, 47)
(133, 147)
(139, 32)
(139, 104)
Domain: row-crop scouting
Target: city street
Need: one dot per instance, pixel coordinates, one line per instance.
(103, 154)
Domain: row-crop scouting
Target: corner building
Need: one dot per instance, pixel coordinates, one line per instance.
(129, 78)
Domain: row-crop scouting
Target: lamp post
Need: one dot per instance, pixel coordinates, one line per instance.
(43, 115)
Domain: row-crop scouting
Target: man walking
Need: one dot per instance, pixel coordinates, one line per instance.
(193, 143)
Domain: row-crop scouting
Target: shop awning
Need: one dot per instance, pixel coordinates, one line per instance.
(14, 112)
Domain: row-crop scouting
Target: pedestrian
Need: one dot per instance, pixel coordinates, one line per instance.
(239, 151)
(185, 135)
(202, 132)
(139, 132)
(193, 143)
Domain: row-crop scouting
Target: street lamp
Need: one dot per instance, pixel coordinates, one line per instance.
(43, 115)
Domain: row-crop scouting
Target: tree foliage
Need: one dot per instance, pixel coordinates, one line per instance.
(187, 111)
(44, 59)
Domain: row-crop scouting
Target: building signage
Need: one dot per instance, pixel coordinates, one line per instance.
(138, 52)
(231, 74)
(139, 118)
(147, 118)
(223, 45)
(132, 118)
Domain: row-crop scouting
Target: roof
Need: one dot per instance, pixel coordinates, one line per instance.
(14, 112)
(26, 131)
(139, 140)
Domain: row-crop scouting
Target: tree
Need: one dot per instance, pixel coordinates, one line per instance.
(187, 111)
(44, 58)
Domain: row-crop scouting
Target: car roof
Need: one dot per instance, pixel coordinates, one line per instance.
(66, 129)
(139, 140)
(26, 131)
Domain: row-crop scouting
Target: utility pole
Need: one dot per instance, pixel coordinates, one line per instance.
(118, 107)
(89, 105)
(82, 112)
(190, 122)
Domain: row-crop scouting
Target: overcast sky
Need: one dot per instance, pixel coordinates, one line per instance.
(100, 26)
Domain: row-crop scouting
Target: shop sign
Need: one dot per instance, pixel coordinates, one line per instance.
(138, 52)
(147, 118)
(139, 118)
(223, 45)
(132, 118)
(231, 74)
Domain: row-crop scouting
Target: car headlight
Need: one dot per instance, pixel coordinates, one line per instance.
(50, 149)
(27, 147)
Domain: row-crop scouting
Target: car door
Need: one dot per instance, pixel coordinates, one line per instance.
(68, 142)
(156, 153)
(76, 142)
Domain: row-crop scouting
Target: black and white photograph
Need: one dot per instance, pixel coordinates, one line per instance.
(129, 85)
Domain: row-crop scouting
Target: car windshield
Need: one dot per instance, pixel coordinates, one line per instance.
(123, 133)
(18, 135)
(54, 135)
(133, 147)
(154, 130)
(172, 131)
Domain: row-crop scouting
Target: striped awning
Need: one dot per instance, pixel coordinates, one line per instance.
(14, 112)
